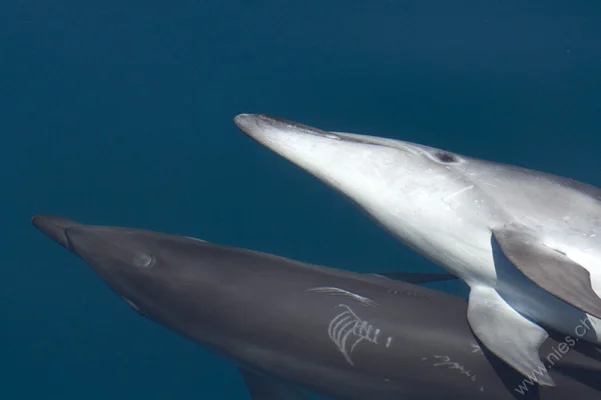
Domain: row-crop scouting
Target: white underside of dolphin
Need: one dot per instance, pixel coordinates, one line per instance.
(527, 243)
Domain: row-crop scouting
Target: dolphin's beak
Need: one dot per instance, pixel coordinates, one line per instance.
(254, 124)
(353, 164)
(54, 227)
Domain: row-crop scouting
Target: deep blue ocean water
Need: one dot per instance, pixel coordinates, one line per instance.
(120, 112)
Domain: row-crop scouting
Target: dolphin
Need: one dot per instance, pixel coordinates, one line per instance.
(295, 328)
(527, 243)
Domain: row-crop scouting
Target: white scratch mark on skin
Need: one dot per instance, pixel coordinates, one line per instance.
(489, 184)
(347, 325)
(388, 341)
(442, 361)
(341, 292)
(196, 239)
(458, 193)
(131, 304)
(476, 348)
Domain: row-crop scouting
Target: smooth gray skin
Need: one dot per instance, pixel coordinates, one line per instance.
(271, 316)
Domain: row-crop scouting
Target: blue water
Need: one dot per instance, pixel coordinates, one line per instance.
(120, 112)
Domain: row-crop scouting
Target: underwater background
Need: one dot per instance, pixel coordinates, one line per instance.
(121, 113)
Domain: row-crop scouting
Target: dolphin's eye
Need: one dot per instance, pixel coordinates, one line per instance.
(143, 260)
(445, 157)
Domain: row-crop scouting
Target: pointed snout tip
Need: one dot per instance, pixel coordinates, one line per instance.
(54, 227)
(252, 125)
(240, 118)
(246, 122)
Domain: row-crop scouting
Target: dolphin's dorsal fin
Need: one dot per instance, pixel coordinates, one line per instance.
(507, 334)
(416, 277)
(548, 268)
(264, 388)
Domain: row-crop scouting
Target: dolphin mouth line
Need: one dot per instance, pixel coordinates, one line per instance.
(283, 124)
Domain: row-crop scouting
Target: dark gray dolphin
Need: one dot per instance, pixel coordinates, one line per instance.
(527, 243)
(293, 326)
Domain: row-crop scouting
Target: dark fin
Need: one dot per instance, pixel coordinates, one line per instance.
(264, 388)
(549, 269)
(508, 334)
(415, 277)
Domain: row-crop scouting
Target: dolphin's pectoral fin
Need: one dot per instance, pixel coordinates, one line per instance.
(507, 334)
(416, 277)
(549, 269)
(263, 388)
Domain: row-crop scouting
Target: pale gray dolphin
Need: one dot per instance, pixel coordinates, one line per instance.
(294, 327)
(527, 243)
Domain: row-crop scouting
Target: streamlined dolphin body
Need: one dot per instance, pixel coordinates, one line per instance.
(527, 243)
(292, 326)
